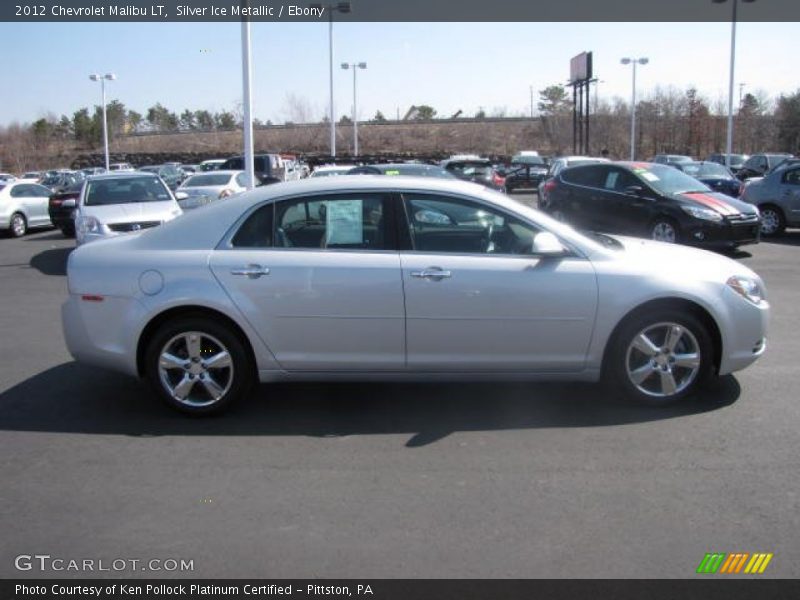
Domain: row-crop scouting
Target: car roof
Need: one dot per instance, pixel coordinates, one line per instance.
(122, 175)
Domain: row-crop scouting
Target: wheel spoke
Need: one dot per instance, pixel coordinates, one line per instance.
(687, 361)
(643, 344)
(638, 376)
(220, 360)
(192, 345)
(212, 387)
(184, 387)
(668, 385)
(170, 361)
(673, 337)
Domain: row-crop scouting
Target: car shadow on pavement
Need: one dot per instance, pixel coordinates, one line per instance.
(51, 262)
(71, 398)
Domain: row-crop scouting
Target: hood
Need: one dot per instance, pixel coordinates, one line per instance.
(133, 212)
(723, 204)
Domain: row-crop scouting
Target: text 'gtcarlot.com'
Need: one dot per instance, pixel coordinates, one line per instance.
(46, 562)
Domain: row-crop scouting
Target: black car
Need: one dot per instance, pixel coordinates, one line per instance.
(649, 200)
(760, 164)
(61, 207)
(61, 180)
(714, 175)
(526, 175)
(405, 169)
(268, 167)
(476, 170)
(736, 160)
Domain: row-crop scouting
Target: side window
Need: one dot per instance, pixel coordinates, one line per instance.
(347, 221)
(792, 177)
(440, 224)
(618, 180)
(256, 231)
(762, 163)
(241, 179)
(594, 176)
(39, 191)
(20, 191)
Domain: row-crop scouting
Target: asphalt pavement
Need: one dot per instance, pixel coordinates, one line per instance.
(371, 481)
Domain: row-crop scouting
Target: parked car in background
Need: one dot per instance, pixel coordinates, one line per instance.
(89, 171)
(777, 196)
(760, 164)
(291, 170)
(188, 170)
(7, 177)
(62, 207)
(528, 173)
(121, 166)
(57, 181)
(406, 169)
(527, 157)
(23, 206)
(398, 278)
(714, 175)
(476, 170)
(557, 165)
(32, 176)
(331, 170)
(118, 203)
(737, 160)
(205, 188)
(671, 159)
(649, 200)
(211, 165)
(171, 174)
(268, 167)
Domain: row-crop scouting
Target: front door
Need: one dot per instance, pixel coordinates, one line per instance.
(322, 287)
(478, 299)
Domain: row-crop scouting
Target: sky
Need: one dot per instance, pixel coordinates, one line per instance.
(449, 66)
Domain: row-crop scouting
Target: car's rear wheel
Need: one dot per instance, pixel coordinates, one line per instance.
(772, 220)
(19, 225)
(660, 357)
(198, 366)
(68, 231)
(665, 230)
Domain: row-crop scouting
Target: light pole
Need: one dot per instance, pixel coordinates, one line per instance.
(355, 67)
(102, 79)
(634, 62)
(342, 7)
(247, 102)
(729, 141)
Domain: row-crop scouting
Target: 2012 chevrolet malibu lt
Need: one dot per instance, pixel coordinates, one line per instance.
(396, 278)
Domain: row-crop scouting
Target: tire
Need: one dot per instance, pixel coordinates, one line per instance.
(664, 229)
(206, 389)
(647, 371)
(68, 231)
(18, 225)
(772, 220)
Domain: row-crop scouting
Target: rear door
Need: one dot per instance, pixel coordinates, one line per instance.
(790, 194)
(322, 287)
(39, 198)
(582, 199)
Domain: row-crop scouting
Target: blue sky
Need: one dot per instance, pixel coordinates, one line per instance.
(450, 66)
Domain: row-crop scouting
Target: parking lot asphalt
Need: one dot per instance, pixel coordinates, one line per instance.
(371, 481)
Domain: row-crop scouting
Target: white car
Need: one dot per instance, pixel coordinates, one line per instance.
(331, 170)
(205, 188)
(118, 203)
(403, 278)
(211, 165)
(23, 206)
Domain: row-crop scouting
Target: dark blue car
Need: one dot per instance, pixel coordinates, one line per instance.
(714, 175)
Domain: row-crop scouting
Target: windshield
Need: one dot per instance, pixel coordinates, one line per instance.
(417, 171)
(669, 180)
(209, 179)
(126, 190)
(51, 180)
(706, 170)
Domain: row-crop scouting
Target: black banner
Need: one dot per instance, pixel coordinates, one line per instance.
(710, 588)
(398, 10)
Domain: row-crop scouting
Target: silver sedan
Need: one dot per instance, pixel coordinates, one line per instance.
(395, 278)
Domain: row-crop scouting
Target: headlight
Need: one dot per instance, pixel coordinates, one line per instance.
(702, 213)
(85, 225)
(747, 288)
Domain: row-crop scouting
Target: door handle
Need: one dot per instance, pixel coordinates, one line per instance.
(251, 271)
(432, 273)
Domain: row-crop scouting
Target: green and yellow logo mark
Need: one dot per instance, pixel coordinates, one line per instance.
(740, 562)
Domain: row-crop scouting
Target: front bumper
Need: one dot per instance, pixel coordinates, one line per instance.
(746, 338)
(724, 234)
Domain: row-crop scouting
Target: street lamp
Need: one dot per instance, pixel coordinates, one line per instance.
(634, 62)
(342, 7)
(355, 67)
(729, 141)
(102, 79)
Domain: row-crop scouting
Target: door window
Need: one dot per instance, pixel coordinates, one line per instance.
(792, 177)
(618, 180)
(441, 224)
(593, 176)
(20, 191)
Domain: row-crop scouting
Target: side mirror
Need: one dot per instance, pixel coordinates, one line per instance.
(634, 190)
(547, 244)
(181, 195)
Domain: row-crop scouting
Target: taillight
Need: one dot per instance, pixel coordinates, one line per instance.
(550, 185)
(498, 180)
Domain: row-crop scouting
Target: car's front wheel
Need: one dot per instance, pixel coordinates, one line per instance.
(665, 230)
(772, 220)
(198, 366)
(659, 357)
(19, 225)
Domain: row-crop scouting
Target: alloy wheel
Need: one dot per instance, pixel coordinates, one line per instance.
(663, 360)
(664, 231)
(770, 221)
(18, 225)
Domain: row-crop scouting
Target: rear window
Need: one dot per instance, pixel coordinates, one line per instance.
(207, 179)
(127, 190)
